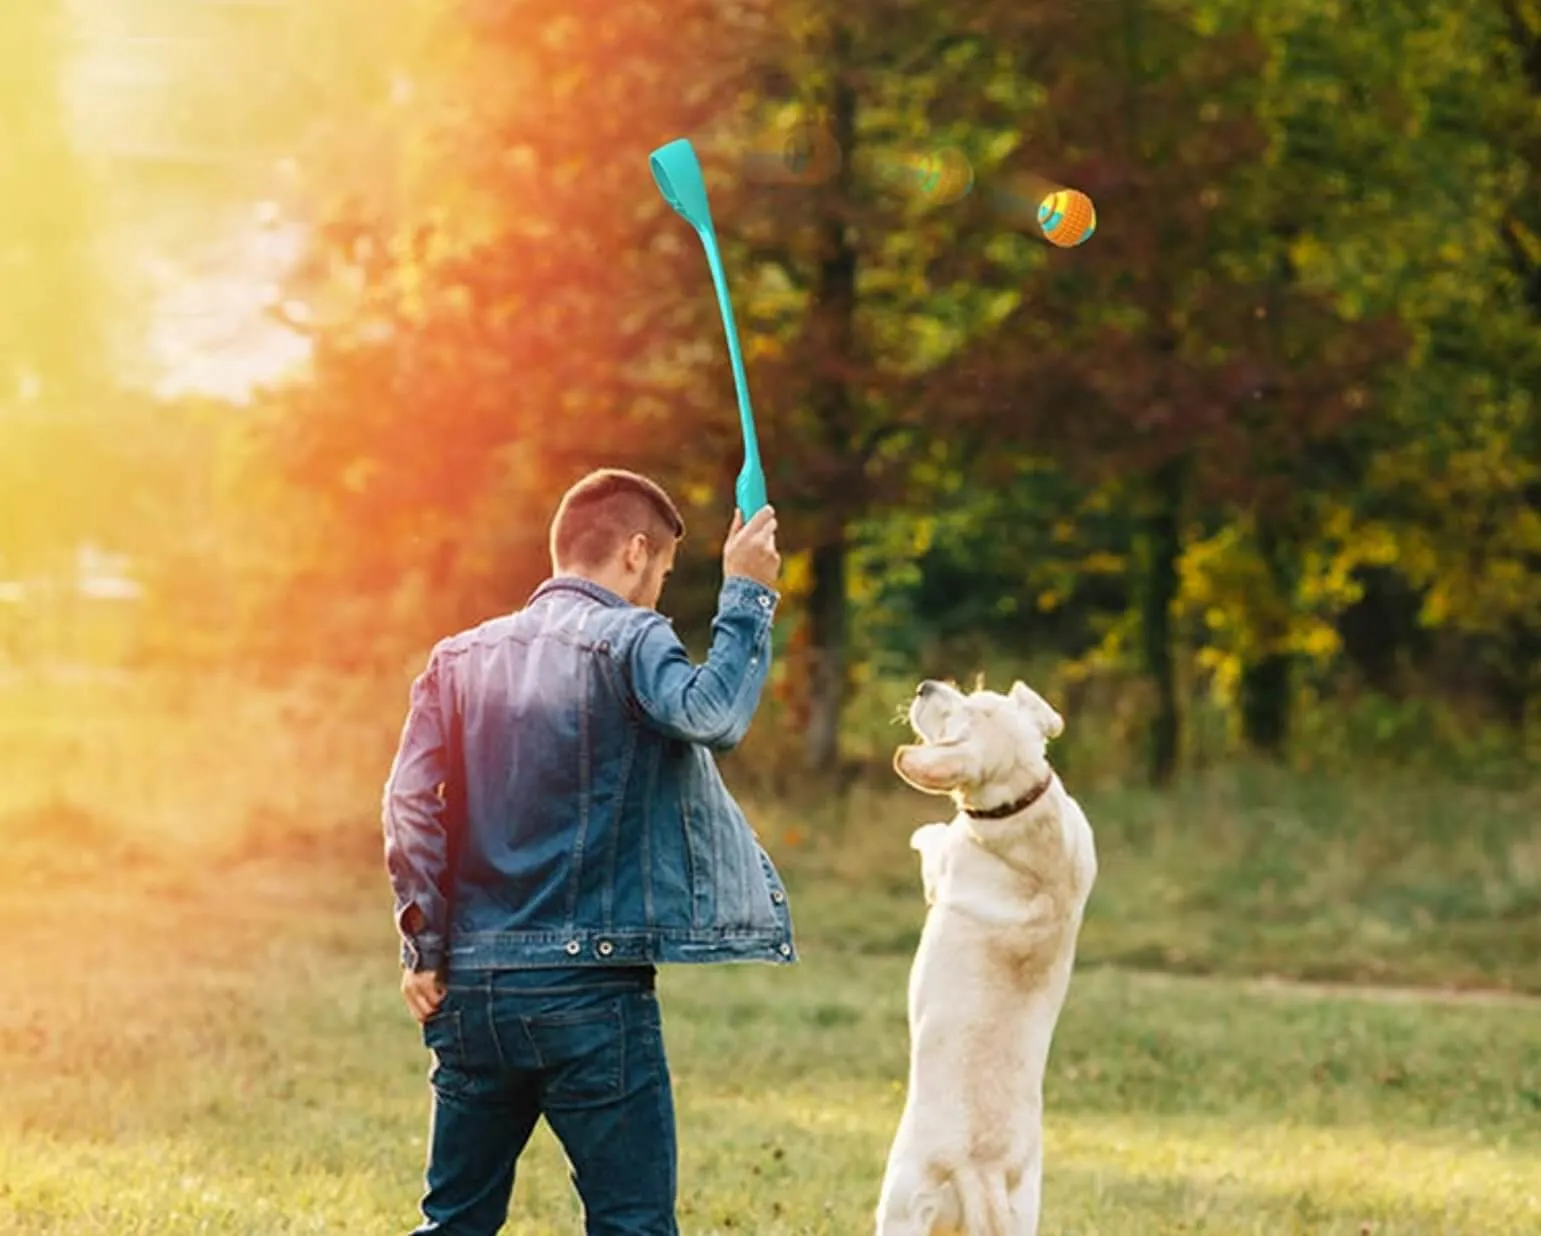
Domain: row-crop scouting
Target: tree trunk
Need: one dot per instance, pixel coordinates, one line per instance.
(1265, 703)
(1379, 628)
(834, 337)
(1162, 545)
(1519, 683)
(1515, 685)
(1266, 681)
(1525, 634)
(826, 657)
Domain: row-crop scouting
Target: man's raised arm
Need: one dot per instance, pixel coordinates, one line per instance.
(713, 703)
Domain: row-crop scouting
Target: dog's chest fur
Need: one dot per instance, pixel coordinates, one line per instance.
(1033, 872)
(1007, 898)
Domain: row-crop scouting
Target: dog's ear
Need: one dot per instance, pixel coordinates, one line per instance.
(935, 770)
(1052, 724)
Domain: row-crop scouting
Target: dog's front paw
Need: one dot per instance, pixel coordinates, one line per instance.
(926, 837)
(928, 841)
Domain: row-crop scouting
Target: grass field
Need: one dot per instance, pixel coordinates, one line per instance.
(203, 1033)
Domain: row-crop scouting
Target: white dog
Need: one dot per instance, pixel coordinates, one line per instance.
(1007, 883)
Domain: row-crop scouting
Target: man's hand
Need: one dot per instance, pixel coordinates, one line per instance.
(422, 991)
(750, 549)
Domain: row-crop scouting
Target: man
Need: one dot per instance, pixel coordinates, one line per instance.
(556, 825)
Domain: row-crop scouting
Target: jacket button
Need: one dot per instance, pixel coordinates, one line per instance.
(573, 948)
(606, 948)
(765, 602)
(778, 896)
(786, 950)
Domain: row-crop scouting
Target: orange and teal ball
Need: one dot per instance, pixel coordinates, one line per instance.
(1067, 218)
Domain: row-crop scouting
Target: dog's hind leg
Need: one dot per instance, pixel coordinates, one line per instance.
(912, 1206)
(986, 1204)
(1027, 1198)
(933, 1213)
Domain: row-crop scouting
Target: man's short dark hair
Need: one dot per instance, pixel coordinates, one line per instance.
(601, 512)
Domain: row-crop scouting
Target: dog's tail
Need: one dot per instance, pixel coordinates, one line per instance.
(985, 1203)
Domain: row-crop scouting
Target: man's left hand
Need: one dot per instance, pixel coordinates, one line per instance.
(423, 992)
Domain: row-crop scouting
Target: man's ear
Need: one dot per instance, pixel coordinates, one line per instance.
(1049, 721)
(933, 770)
(635, 553)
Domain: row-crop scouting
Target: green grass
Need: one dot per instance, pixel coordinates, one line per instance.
(1244, 871)
(203, 1034)
(227, 1055)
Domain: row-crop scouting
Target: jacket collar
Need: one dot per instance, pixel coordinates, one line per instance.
(576, 583)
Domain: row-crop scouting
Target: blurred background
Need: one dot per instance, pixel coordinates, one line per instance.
(310, 311)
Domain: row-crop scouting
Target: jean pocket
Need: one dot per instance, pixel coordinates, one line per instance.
(442, 1035)
(582, 1053)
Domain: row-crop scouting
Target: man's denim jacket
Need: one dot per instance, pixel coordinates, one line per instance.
(555, 799)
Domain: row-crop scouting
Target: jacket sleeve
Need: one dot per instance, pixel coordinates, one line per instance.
(712, 703)
(415, 822)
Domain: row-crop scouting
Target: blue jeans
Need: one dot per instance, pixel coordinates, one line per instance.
(585, 1050)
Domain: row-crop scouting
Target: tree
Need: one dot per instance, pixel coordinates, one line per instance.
(1441, 467)
(1371, 223)
(1195, 375)
(1521, 684)
(53, 368)
(865, 280)
(510, 313)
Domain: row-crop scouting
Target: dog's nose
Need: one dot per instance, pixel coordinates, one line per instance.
(925, 687)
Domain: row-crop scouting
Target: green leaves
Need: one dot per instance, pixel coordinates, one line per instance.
(1311, 298)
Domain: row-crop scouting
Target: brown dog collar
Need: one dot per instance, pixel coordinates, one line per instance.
(1016, 805)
